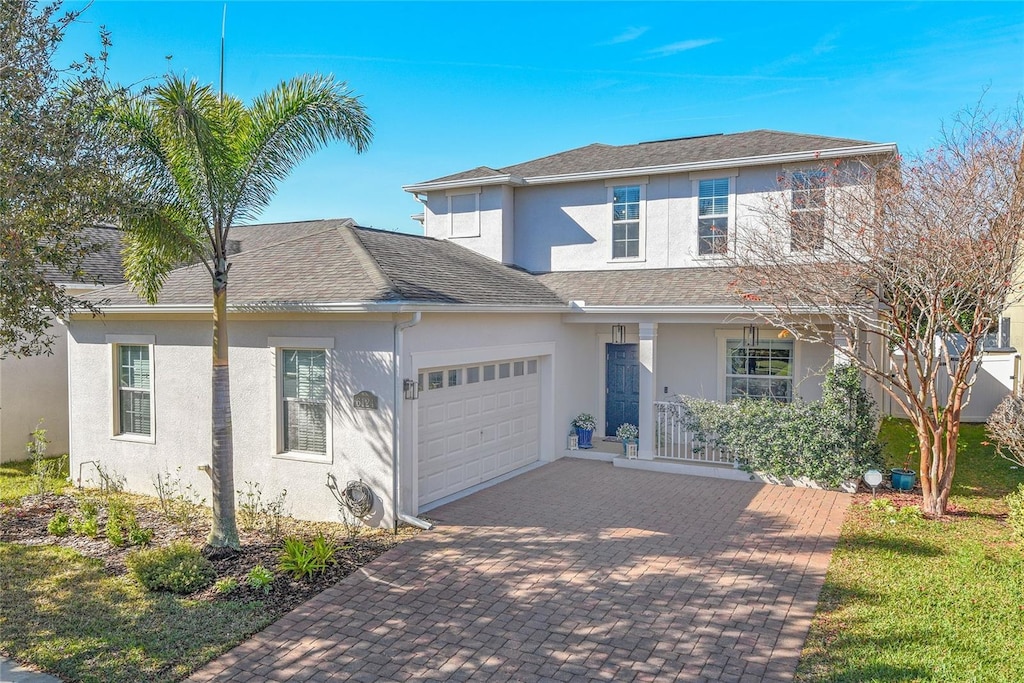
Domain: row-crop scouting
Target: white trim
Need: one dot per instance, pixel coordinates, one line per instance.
(327, 307)
(765, 160)
(459, 357)
(301, 342)
(716, 173)
(474, 231)
(617, 182)
(131, 339)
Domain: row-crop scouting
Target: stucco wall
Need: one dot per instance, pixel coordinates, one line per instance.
(495, 221)
(181, 358)
(33, 388)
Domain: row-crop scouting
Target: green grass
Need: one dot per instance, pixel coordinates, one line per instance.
(16, 479)
(910, 599)
(62, 612)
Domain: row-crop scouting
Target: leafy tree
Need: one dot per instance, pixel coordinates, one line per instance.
(903, 266)
(60, 171)
(208, 162)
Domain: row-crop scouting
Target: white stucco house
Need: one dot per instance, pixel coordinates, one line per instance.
(35, 388)
(586, 281)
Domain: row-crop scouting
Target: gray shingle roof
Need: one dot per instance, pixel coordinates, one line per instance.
(649, 287)
(333, 261)
(601, 157)
(100, 266)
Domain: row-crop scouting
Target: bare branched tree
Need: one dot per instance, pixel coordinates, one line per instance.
(903, 266)
(1006, 428)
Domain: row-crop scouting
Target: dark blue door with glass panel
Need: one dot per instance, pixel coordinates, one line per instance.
(622, 384)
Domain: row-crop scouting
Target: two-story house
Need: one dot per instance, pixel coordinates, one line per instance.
(587, 281)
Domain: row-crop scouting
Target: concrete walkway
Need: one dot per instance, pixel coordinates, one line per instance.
(12, 672)
(574, 571)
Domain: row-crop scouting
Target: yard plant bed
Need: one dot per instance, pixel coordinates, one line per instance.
(70, 606)
(913, 599)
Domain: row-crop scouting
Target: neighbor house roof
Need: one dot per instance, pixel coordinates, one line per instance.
(661, 156)
(334, 262)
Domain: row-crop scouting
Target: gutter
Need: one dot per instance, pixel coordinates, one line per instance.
(396, 366)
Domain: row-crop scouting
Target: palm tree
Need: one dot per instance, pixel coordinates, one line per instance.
(207, 162)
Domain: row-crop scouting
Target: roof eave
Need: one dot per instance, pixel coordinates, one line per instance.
(330, 307)
(504, 179)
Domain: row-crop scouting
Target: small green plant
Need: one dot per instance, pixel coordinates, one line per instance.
(87, 523)
(138, 535)
(59, 524)
(584, 421)
(114, 533)
(111, 483)
(303, 560)
(627, 431)
(44, 470)
(180, 503)
(228, 584)
(1015, 501)
(254, 513)
(178, 568)
(882, 504)
(260, 578)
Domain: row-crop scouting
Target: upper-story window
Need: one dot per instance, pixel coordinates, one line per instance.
(626, 221)
(807, 215)
(713, 216)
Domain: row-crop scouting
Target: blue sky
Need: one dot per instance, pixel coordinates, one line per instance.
(458, 85)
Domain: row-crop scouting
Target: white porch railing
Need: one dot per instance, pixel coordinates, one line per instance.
(674, 441)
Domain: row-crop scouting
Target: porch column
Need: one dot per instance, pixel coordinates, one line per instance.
(648, 392)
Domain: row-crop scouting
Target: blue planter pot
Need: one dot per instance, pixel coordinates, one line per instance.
(903, 480)
(585, 436)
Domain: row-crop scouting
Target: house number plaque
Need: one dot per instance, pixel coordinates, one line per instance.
(364, 400)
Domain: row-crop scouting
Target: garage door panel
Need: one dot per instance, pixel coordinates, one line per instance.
(473, 432)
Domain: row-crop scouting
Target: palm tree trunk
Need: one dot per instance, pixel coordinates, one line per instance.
(224, 532)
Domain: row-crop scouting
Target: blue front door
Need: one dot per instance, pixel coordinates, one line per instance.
(622, 387)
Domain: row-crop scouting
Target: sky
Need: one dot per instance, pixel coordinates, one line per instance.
(452, 86)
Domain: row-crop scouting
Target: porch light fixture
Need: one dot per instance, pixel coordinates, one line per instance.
(412, 389)
(618, 334)
(750, 336)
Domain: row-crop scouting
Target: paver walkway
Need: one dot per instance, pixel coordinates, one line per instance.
(574, 571)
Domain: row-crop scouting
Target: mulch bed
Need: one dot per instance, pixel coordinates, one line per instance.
(26, 522)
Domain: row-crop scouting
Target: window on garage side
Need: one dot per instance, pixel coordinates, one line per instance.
(304, 400)
(134, 390)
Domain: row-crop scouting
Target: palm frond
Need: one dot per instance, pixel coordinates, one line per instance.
(155, 243)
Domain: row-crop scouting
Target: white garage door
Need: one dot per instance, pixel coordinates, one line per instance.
(476, 423)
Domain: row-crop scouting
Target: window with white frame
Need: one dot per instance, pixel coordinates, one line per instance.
(626, 221)
(713, 216)
(762, 370)
(134, 390)
(807, 213)
(304, 400)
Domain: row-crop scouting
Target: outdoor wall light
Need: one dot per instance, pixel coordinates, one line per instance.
(412, 389)
(618, 334)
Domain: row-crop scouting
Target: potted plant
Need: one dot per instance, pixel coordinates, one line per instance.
(903, 478)
(584, 425)
(627, 433)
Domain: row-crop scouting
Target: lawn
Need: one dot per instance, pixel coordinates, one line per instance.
(16, 479)
(70, 606)
(911, 599)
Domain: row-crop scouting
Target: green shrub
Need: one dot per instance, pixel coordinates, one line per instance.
(179, 568)
(59, 524)
(304, 561)
(180, 503)
(254, 512)
(1015, 501)
(828, 441)
(260, 577)
(226, 585)
(114, 534)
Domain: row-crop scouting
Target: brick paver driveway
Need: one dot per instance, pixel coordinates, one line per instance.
(574, 571)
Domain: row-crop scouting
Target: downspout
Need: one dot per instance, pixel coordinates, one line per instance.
(396, 366)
